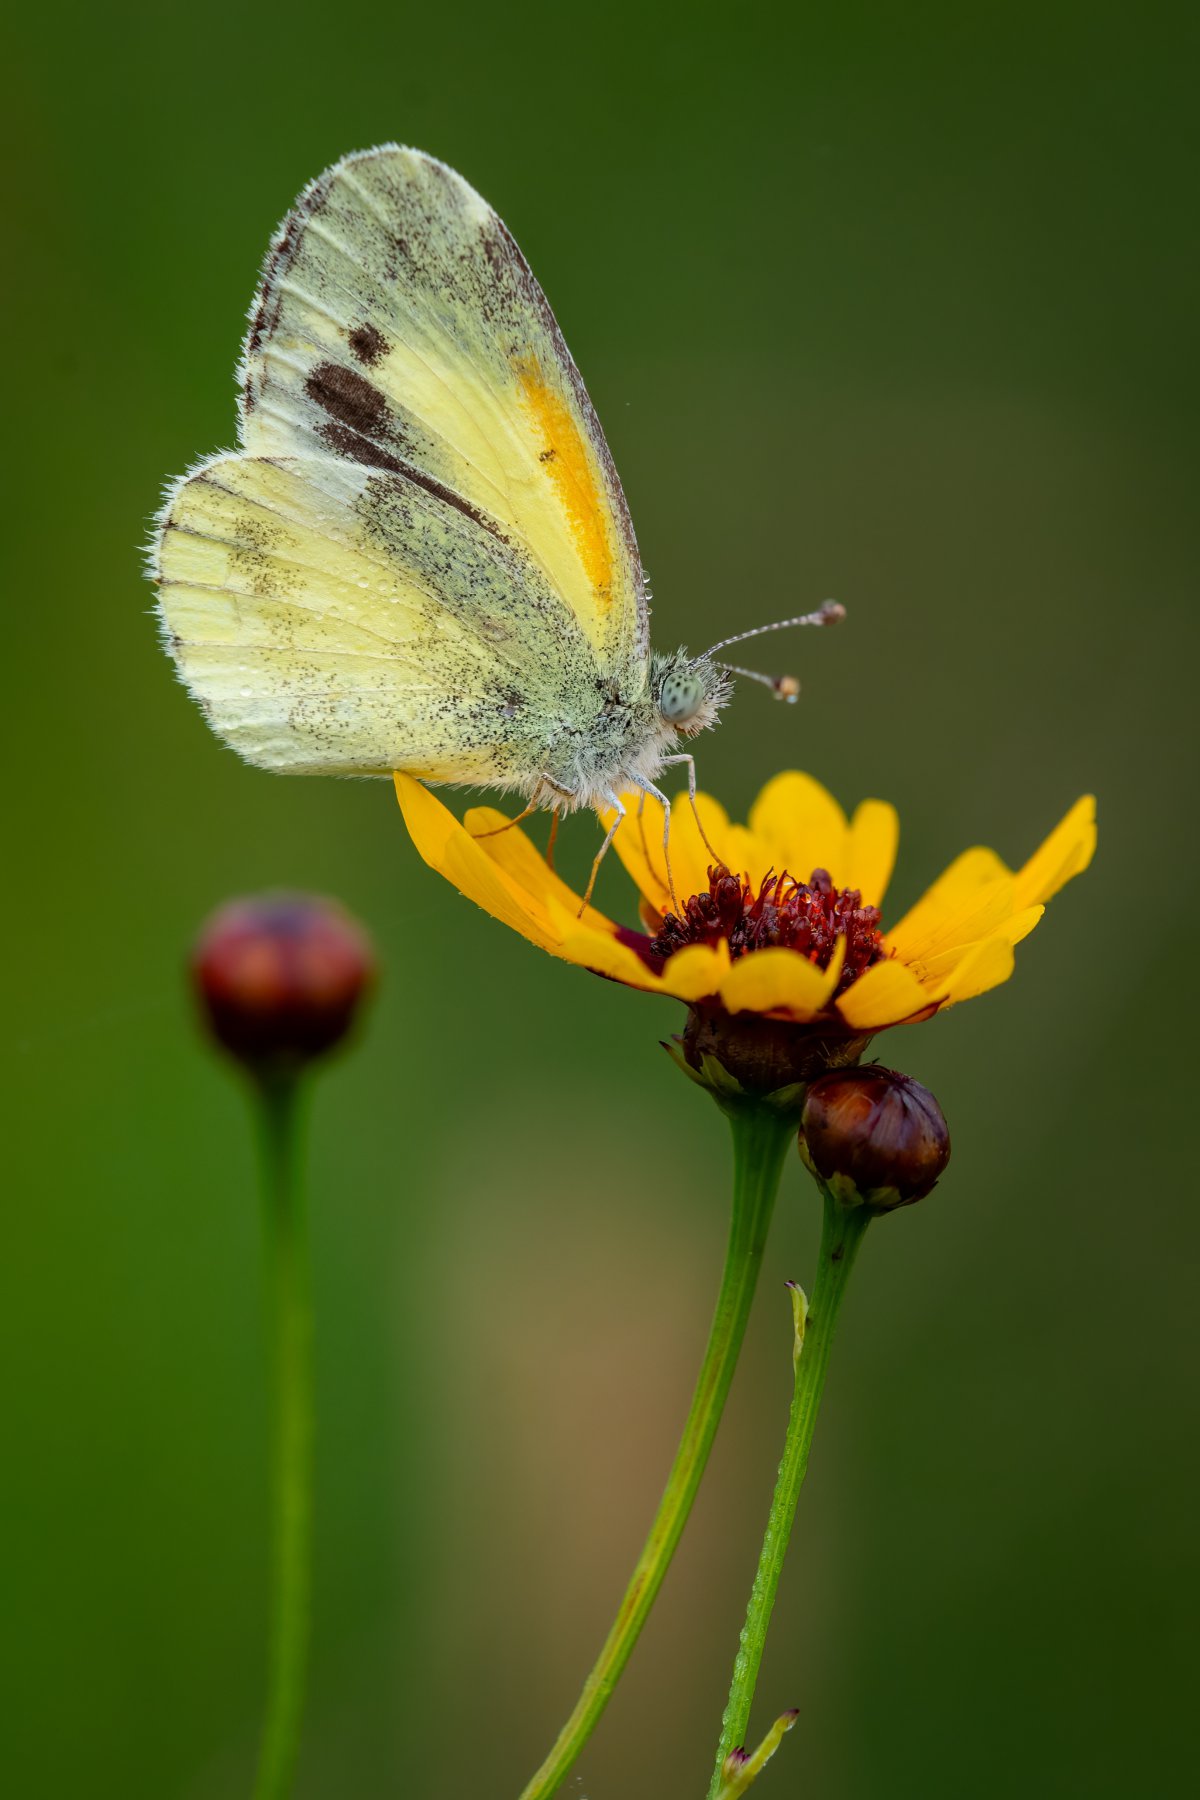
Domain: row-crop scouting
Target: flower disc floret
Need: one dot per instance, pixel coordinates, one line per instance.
(808, 917)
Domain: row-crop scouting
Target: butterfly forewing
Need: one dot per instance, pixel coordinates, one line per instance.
(398, 326)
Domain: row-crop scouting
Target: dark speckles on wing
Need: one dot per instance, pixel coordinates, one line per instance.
(285, 246)
(460, 553)
(451, 498)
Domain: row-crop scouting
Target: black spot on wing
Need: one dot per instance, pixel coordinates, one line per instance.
(360, 424)
(368, 344)
(350, 399)
(343, 440)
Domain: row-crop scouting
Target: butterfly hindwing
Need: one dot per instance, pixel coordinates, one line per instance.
(398, 326)
(338, 618)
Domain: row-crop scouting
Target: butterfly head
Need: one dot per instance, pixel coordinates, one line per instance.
(689, 692)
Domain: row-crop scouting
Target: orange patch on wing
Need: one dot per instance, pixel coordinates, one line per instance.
(567, 462)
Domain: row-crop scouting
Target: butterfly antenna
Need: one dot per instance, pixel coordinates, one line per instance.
(831, 613)
(784, 687)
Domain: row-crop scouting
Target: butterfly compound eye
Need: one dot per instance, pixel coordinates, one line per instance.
(682, 696)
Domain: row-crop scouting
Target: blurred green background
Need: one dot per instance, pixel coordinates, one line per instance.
(892, 304)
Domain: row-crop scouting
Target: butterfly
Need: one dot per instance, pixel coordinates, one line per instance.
(420, 557)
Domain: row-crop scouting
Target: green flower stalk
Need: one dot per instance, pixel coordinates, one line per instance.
(761, 1133)
(874, 1140)
(289, 1302)
(280, 981)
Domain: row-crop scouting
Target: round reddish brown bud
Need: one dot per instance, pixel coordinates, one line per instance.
(280, 977)
(875, 1137)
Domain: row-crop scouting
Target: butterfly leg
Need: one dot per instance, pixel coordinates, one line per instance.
(648, 787)
(557, 794)
(691, 769)
(611, 800)
(509, 823)
(641, 819)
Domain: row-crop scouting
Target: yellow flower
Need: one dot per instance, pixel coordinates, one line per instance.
(788, 927)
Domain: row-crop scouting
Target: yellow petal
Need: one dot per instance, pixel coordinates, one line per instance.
(1066, 853)
(936, 971)
(606, 955)
(696, 973)
(779, 981)
(986, 967)
(967, 873)
(884, 995)
(802, 826)
(745, 856)
(692, 974)
(871, 849)
(975, 916)
(446, 847)
(1022, 923)
(507, 846)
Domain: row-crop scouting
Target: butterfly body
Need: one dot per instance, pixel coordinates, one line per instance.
(420, 558)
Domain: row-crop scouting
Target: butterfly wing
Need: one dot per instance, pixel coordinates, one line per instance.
(332, 617)
(399, 326)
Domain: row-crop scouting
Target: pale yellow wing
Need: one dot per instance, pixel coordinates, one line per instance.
(333, 618)
(399, 326)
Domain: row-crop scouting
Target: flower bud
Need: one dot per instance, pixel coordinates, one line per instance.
(875, 1137)
(746, 1056)
(279, 978)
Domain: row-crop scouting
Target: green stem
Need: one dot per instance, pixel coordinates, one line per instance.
(760, 1141)
(841, 1235)
(291, 1325)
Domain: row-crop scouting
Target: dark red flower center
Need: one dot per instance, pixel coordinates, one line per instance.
(807, 916)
